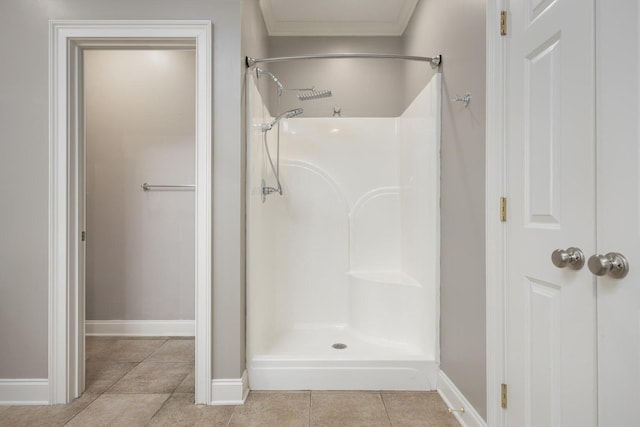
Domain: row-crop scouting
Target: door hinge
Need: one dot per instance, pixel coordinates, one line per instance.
(503, 22)
(83, 236)
(503, 209)
(503, 396)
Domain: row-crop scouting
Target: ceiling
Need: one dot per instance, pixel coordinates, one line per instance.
(337, 17)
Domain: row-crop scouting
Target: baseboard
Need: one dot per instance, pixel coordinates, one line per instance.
(453, 398)
(24, 391)
(230, 392)
(141, 328)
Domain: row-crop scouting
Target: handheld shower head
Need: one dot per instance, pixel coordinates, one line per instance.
(285, 115)
(314, 94)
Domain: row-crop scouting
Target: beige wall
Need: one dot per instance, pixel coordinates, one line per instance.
(253, 43)
(24, 176)
(361, 87)
(140, 127)
(255, 40)
(456, 29)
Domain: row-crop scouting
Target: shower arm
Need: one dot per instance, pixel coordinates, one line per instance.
(435, 60)
(260, 72)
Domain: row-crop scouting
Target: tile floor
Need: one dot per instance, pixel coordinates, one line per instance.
(150, 382)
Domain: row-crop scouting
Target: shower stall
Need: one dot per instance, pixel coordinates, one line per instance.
(343, 261)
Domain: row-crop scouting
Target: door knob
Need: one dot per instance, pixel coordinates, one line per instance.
(572, 258)
(613, 264)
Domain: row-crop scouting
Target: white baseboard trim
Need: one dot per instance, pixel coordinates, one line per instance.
(24, 391)
(453, 398)
(141, 328)
(230, 392)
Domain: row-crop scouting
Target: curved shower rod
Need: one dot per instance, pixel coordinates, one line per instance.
(436, 60)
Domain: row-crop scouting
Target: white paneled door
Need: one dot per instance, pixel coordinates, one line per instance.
(618, 196)
(573, 180)
(550, 117)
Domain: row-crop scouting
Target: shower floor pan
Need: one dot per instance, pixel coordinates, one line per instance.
(306, 359)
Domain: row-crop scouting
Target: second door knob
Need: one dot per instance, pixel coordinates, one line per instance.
(613, 264)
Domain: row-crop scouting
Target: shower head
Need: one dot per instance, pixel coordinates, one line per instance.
(260, 72)
(285, 115)
(314, 94)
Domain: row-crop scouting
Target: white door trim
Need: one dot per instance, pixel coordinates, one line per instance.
(66, 298)
(495, 229)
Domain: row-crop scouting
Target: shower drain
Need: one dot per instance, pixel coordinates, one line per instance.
(339, 346)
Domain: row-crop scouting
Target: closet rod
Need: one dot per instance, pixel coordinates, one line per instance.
(436, 60)
(147, 187)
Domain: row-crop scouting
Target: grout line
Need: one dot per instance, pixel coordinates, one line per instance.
(231, 416)
(180, 382)
(83, 409)
(149, 355)
(123, 375)
(119, 378)
(158, 410)
(386, 411)
(310, 406)
(234, 411)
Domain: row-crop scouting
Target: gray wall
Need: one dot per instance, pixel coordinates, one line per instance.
(253, 43)
(361, 87)
(456, 29)
(140, 127)
(24, 178)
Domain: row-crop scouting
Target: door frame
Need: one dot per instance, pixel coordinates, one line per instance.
(496, 168)
(67, 39)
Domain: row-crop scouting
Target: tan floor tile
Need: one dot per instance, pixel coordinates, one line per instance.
(180, 410)
(94, 339)
(3, 408)
(122, 350)
(417, 409)
(152, 377)
(273, 409)
(174, 351)
(348, 408)
(96, 347)
(122, 337)
(136, 338)
(21, 416)
(129, 410)
(99, 376)
(44, 416)
(188, 385)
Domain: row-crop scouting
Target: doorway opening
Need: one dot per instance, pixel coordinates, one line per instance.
(70, 41)
(139, 137)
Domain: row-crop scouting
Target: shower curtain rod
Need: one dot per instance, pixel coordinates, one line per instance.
(436, 60)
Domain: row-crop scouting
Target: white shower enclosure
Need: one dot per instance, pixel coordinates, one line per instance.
(343, 267)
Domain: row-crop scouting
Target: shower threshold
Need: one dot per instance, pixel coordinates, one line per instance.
(306, 359)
